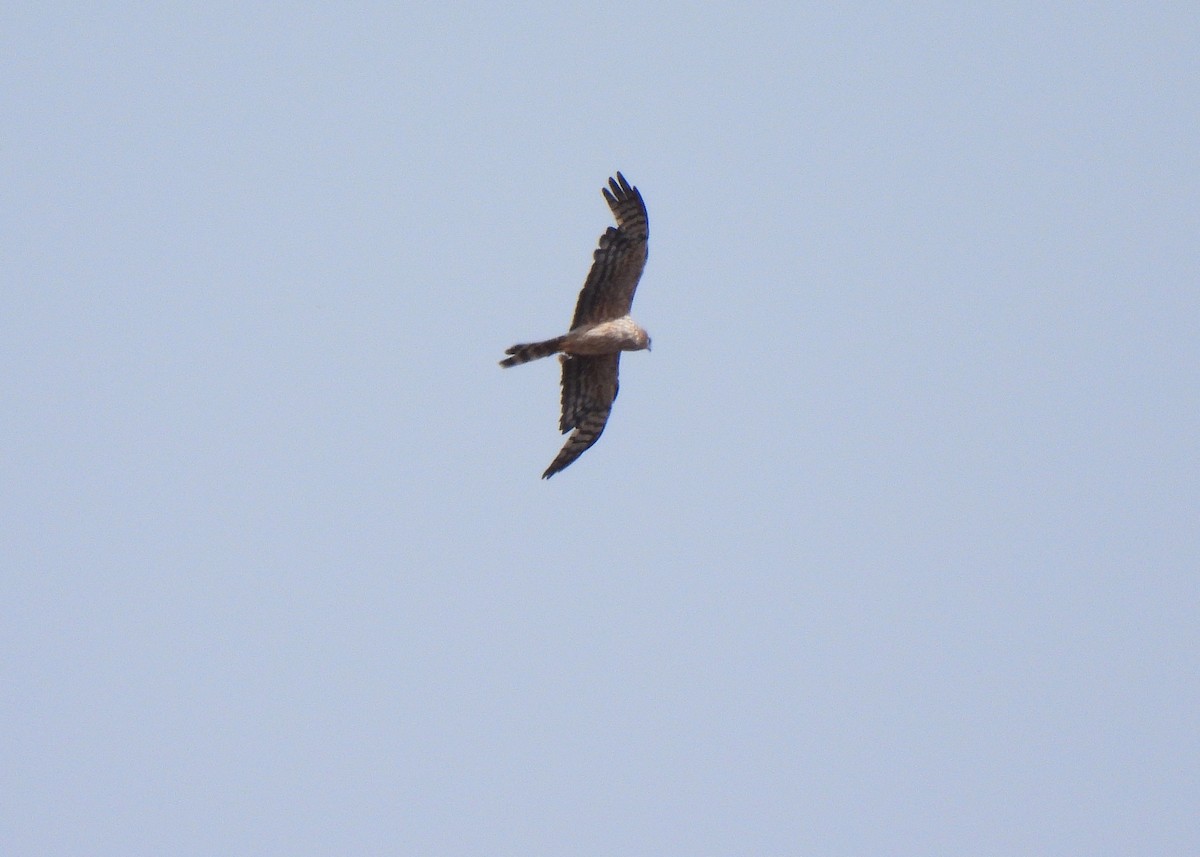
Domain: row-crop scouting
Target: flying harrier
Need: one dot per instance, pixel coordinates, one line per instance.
(601, 329)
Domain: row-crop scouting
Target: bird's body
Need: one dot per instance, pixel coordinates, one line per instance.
(606, 337)
(601, 328)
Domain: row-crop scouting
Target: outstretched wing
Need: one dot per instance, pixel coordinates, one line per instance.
(589, 388)
(618, 261)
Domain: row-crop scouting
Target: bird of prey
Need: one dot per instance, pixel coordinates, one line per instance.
(601, 329)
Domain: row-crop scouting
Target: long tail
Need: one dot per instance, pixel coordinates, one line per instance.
(526, 351)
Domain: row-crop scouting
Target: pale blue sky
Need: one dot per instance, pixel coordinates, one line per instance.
(890, 547)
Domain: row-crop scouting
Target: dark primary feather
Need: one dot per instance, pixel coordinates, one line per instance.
(618, 261)
(589, 388)
(591, 426)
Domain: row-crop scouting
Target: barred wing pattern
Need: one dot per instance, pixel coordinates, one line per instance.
(589, 384)
(589, 388)
(618, 262)
(590, 351)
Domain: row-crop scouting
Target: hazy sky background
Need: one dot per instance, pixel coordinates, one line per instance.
(891, 546)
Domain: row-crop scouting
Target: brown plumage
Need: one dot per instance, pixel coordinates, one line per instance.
(601, 327)
(526, 351)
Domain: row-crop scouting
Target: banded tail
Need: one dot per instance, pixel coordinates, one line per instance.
(526, 351)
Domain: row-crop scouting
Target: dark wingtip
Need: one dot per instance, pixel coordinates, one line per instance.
(557, 466)
(620, 188)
